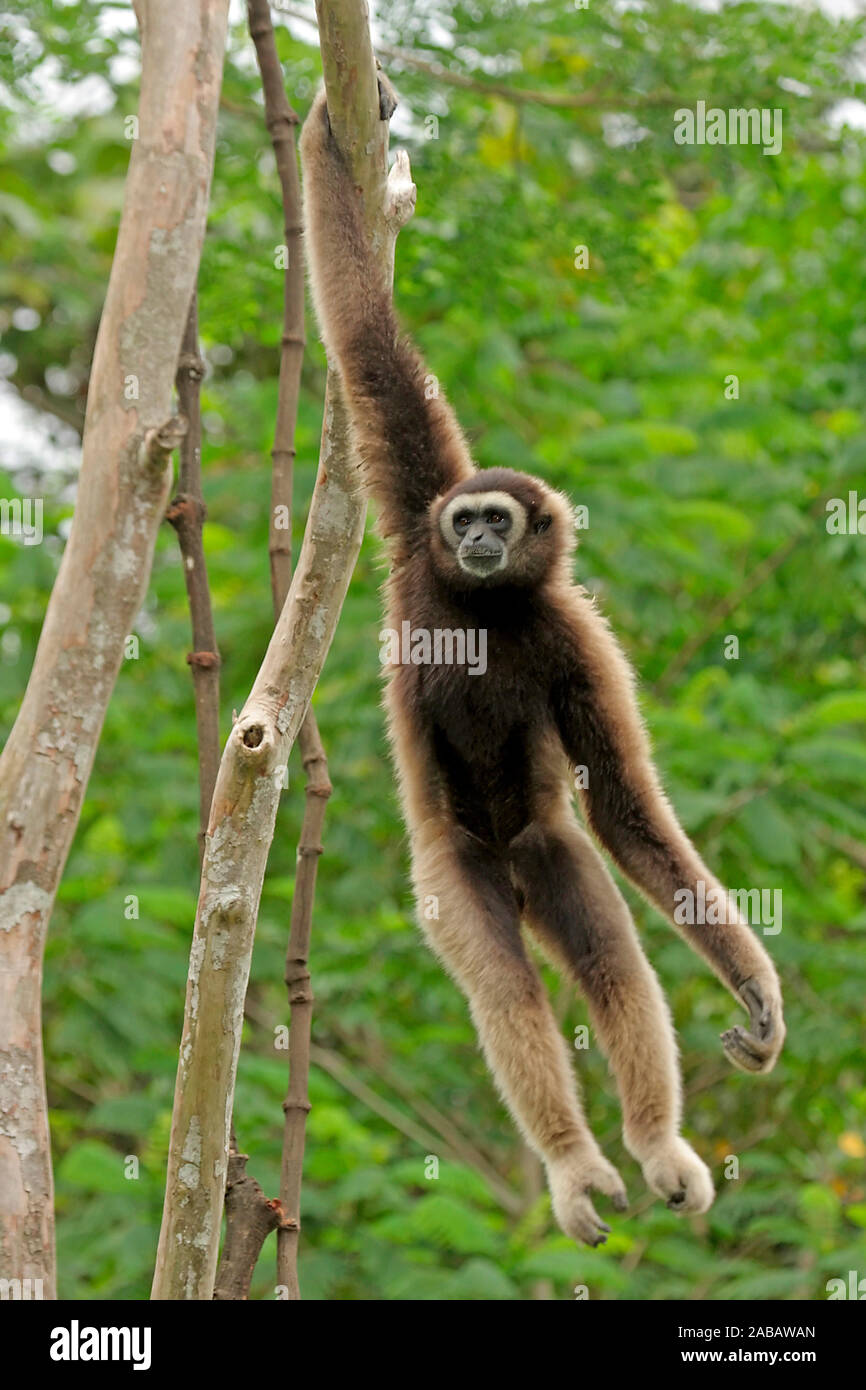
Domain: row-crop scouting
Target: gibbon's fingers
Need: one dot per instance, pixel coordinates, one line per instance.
(400, 193)
(674, 1172)
(756, 1050)
(388, 99)
(748, 1052)
(570, 1179)
(744, 1051)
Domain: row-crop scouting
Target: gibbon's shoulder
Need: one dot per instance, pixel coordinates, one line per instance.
(588, 634)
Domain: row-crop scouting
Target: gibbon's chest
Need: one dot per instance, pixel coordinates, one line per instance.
(481, 727)
(480, 689)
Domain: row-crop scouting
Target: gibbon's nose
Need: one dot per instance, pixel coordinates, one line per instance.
(476, 536)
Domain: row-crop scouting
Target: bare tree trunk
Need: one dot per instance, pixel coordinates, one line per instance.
(253, 764)
(124, 482)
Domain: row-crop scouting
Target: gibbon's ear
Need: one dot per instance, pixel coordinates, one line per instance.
(542, 525)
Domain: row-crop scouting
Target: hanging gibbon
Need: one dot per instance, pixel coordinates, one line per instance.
(487, 760)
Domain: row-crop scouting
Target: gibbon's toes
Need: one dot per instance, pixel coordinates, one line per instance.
(756, 1049)
(675, 1173)
(582, 1222)
(605, 1179)
(570, 1182)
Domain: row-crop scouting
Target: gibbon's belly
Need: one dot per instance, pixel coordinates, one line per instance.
(482, 729)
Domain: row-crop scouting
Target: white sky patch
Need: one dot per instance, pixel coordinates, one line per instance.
(31, 438)
(621, 129)
(850, 112)
(799, 89)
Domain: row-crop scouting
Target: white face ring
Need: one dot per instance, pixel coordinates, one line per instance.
(481, 501)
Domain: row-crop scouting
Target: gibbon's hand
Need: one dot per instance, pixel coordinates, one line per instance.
(400, 191)
(756, 1050)
(388, 100)
(570, 1179)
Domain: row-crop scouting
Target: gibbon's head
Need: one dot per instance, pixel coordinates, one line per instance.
(500, 528)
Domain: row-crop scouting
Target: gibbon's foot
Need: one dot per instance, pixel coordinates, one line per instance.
(756, 1049)
(387, 98)
(570, 1179)
(673, 1171)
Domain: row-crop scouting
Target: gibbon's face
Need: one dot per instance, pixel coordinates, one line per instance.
(499, 527)
(482, 529)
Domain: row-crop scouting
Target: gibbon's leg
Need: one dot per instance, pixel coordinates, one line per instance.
(580, 916)
(468, 910)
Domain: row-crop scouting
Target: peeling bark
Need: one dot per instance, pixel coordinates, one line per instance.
(123, 486)
(245, 800)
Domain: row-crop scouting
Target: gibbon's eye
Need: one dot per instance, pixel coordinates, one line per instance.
(500, 521)
(461, 521)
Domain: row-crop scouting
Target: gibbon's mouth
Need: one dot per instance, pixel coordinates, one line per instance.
(480, 559)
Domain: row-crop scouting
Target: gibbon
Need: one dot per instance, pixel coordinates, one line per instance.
(486, 762)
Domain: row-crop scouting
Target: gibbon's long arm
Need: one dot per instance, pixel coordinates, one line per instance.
(410, 445)
(601, 729)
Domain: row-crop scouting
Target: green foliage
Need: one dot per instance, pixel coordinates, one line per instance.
(706, 520)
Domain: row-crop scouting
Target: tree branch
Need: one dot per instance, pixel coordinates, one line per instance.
(296, 1106)
(123, 486)
(250, 1218)
(245, 801)
(187, 515)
